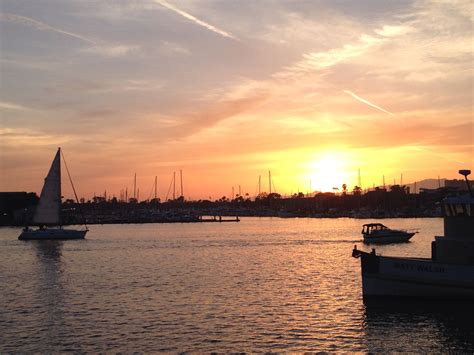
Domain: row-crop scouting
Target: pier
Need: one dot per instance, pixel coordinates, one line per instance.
(218, 219)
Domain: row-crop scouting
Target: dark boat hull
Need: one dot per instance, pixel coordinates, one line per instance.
(388, 239)
(52, 234)
(414, 278)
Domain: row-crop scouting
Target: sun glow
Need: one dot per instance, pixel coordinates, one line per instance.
(330, 172)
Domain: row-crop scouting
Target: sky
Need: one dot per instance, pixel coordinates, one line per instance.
(226, 91)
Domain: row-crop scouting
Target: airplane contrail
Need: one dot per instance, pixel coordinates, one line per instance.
(27, 21)
(196, 20)
(438, 154)
(358, 98)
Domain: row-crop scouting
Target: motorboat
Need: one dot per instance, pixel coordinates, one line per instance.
(377, 233)
(47, 215)
(448, 274)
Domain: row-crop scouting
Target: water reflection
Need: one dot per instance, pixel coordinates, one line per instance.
(261, 285)
(50, 291)
(48, 251)
(418, 326)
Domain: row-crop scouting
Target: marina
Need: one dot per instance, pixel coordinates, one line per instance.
(269, 177)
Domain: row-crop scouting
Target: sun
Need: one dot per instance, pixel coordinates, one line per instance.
(329, 172)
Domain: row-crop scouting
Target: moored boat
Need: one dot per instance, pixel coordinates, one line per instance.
(48, 212)
(448, 274)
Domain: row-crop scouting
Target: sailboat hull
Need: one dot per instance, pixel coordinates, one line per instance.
(52, 234)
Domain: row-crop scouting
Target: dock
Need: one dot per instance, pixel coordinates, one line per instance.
(218, 219)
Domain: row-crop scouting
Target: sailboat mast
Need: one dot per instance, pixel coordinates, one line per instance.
(174, 185)
(59, 182)
(135, 186)
(72, 185)
(269, 181)
(59, 172)
(156, 183)
(181, 177)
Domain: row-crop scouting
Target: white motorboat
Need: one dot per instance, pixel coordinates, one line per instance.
(448, 274)
(48, 212)
(377, 233)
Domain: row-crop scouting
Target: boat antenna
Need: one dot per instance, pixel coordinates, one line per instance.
(74, 190)
(465, 173)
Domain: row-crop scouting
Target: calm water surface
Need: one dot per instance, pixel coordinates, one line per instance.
(264, 284)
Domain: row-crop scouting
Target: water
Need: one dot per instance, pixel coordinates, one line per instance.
(264, 284)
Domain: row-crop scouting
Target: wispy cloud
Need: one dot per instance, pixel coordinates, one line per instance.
(143, 85)
(358, 98)
(322, 60)
(98, 47)
(16, 137)
(173, 49)
(196, 20)
(10, 106)
(392, 31)
(27, 21)
(111, 51)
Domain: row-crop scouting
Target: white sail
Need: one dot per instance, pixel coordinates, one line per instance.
(49, 206)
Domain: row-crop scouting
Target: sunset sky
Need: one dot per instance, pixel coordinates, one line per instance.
(228, 90)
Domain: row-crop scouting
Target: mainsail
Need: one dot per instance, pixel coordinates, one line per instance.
(49, 206)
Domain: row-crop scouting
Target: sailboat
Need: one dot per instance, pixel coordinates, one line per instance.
(48, 212)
